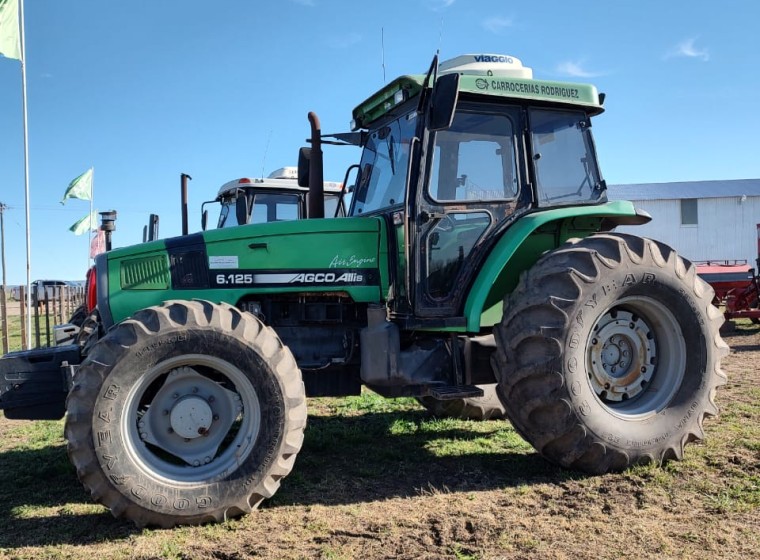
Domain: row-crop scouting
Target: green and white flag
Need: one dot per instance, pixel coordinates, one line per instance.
(81, 187)
(88, 223)
(10, 44)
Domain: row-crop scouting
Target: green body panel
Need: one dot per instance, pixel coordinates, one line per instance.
(521, 246)
(141, 250)
(300, 244)
(276, 247)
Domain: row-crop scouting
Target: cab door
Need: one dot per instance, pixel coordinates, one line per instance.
(471, 186)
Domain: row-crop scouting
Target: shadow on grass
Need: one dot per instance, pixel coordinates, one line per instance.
(358, 459)
(36, 481)
(745, 347)
(344, 460)
(731, 330)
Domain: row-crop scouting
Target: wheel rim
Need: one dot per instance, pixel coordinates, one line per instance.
(636, 357)
(191, 418)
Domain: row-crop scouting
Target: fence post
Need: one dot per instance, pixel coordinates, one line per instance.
(47, 315)
(36, 301)
(22, 315)
(65, 304)
(4, 319)
(51, 301)
(61, 305)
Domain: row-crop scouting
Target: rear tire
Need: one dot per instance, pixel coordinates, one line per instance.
(608, 354)
(185, 413)
(487, 407)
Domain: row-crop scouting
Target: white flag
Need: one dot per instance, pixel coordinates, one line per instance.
(88, 223)
(81, 187)
(10, 43)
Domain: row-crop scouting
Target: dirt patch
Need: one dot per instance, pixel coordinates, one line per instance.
(370, 484)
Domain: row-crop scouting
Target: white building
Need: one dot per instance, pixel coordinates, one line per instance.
(702, 220)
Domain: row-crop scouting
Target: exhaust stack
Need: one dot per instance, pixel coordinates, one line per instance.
(183, 193)
(316, 196)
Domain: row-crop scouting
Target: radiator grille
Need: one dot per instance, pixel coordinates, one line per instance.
(149, 273)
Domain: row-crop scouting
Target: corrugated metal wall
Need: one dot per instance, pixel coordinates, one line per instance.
(727, 228)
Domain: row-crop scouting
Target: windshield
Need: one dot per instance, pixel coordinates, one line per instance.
(563, 156)
(382, 180)
(331, 205)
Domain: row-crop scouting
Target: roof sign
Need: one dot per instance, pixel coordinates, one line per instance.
(482, 74)
(501, 65)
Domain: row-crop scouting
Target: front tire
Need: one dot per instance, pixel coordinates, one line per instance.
(185, 413)
(608, 354)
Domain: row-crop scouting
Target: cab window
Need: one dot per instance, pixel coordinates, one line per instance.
(475, 159)
(563, 157)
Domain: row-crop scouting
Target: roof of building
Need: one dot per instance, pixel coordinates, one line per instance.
(685, 189)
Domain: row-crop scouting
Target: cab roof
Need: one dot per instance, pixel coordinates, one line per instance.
(494, 76)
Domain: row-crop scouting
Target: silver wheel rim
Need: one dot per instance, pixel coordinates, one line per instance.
(190, 419)
(636, 357)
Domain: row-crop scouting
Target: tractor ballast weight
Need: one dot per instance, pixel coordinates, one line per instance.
(476, 270)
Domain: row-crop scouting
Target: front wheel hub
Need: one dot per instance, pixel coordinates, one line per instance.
(191, 417)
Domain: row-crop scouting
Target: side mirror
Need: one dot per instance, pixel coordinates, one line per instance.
(242, 210)
(444, 102)
(204, 220)
(304, 163)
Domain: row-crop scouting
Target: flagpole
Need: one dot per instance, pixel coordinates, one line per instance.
(89, 232)
(26, 182)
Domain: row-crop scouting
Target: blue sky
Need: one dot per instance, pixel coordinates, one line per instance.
(145, 90)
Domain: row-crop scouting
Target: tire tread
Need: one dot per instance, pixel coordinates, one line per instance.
(533, 322)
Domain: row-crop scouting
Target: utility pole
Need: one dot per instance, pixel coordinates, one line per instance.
(3, 301)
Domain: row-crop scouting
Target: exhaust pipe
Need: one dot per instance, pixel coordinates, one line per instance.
(316, 196)
(108, 225)
(183, 193)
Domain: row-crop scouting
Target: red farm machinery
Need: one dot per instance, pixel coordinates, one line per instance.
(736, 285)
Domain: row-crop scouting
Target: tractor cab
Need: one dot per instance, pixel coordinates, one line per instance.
(451, 161)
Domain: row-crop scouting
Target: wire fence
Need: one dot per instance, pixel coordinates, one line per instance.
(51, 306)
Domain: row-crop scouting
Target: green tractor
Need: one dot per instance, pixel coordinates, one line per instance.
(477, 252)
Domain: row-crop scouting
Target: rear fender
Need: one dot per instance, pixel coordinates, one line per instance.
(525, 241)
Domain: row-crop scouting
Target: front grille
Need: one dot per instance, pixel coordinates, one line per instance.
(146, 273)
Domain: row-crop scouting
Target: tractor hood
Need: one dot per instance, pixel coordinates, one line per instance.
(326, 255)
